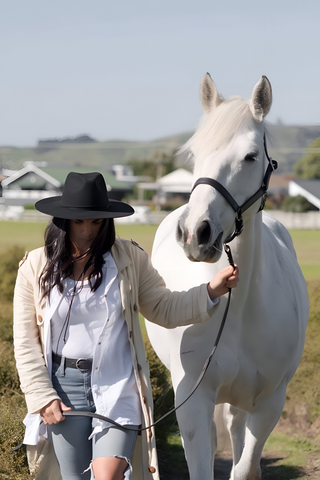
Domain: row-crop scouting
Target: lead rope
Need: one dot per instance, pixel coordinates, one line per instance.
(74, 413)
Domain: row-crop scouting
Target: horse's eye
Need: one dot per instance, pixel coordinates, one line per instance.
(251, 157)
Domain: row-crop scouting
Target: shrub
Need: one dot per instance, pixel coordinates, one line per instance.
(163, 396)
(303, 390)
(9, 263)
(13, 466)
(6, 332)
(9, 379)
(159, 375)
(297, 204)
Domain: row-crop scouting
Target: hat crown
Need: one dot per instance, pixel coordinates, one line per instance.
(84, 196)
(85, 190)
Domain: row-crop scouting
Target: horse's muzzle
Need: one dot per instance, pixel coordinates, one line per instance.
(200, 244)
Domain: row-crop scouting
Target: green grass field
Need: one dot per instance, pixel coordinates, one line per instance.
(23, 234)
(307, 246)
(30, 236)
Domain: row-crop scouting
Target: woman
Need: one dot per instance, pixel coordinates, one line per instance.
(78, 343)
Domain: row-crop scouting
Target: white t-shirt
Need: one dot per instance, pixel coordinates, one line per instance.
(87, 317)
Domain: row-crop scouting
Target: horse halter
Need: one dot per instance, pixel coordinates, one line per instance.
(262, 192)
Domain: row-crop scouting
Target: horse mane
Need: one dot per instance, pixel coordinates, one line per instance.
(217, 128)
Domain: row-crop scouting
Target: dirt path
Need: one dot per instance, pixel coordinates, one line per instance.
(272, 467)
(222, 467)
(272, 462)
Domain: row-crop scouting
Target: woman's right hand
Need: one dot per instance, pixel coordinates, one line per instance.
(51, 413)
(227, 278)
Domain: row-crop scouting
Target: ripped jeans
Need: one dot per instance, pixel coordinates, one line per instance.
(70, 437)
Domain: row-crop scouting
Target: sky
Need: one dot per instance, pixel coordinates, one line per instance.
(131, 69)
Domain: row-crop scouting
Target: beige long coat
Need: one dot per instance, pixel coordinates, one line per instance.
(142, 289)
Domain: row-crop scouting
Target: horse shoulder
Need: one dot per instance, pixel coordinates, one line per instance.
(279, 232)
(288, 277)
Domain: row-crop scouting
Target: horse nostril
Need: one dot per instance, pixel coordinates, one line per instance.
(179, 233)
(204, 233)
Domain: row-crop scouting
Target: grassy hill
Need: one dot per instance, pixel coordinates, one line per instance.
(287, 145)
(90, 154)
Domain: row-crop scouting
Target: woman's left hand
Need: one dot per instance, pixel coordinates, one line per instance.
(227, 278)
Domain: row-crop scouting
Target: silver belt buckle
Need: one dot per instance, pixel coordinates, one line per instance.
(77, 363)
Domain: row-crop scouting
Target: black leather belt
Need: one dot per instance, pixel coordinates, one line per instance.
(78, 363)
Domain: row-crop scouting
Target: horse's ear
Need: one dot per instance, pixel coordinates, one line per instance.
(261, 99)
(209, 95)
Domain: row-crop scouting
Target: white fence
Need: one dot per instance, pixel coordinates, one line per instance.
(155, 218)
(297, 221)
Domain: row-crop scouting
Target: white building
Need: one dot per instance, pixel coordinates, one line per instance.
(176, 186)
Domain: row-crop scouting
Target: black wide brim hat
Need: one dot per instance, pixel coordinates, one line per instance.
(84, 196)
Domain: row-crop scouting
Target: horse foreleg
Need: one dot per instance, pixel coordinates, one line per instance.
(198, 434)
(259, 426)
(235, 420)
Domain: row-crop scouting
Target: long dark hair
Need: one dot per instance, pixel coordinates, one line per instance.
(59, 263)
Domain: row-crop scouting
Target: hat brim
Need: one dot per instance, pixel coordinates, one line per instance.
(53, 206)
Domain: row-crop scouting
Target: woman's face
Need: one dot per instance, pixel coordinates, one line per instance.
(83, 232)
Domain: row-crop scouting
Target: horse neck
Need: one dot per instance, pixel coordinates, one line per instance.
(247, 250)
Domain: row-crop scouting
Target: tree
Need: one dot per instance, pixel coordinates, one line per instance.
(160, 164)
(309, 165)
(297, 204)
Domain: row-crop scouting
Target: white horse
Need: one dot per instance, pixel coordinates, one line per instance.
(262, 342)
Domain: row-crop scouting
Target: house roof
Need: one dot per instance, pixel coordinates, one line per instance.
(178, 181)
(21, 175)
(310, 185)
(178, 177)
(60, 174)
(55, 176)
(308, 188)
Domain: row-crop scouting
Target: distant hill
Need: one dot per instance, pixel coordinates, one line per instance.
(287, 145)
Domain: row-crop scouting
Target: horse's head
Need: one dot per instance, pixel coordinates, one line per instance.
(228, 147)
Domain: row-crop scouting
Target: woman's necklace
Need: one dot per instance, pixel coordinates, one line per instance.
(80, 257)
(65, 325)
